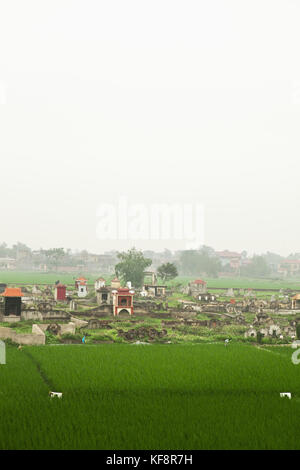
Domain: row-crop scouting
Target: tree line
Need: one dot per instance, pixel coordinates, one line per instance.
(203, 261)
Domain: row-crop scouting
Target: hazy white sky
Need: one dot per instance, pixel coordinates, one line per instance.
(164, 101)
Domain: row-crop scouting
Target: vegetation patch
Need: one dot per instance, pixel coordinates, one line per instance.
(186, 396)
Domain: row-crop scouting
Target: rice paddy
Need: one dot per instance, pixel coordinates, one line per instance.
(125, 396)
(38, 277)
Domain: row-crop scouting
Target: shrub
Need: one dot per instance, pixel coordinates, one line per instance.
(76, 337)
(249, 339)
(10, 342)
(269, 340)
(50, 338)
(13, 325)
(260, 337)
(98, 338)
(222, 337)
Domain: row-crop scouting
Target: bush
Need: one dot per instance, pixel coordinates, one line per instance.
(298, 331)
(98, 338)
(269, 340)
(249, 339)
(50, 338)
(260, 337)
(10, 342)
(76, 337)
(222, 337)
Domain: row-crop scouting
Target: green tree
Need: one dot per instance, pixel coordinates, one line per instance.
(257, 268)
(20, 247)
(189, 261)
(208, 262)
(196, 262)
(54, 255)
(167, 271)
(4, 250)
(132, 266)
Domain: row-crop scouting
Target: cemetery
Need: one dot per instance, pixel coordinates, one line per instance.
(191, 311)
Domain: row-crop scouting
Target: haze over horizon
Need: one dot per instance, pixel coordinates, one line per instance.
(161, 102)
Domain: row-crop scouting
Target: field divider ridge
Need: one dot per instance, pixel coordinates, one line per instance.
(41, 372)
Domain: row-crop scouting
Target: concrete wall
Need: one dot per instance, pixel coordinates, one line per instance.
(31, 315)
(140, 311)
(43, 327)
(35, 338)
(68, 328)
(50, 314)
(102, 310)
(10, 318)
(78, 323)
(64, 327)
(36, 329)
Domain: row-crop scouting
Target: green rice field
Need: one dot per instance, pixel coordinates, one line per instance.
(242, 283)
(18, 277)
(163, 396)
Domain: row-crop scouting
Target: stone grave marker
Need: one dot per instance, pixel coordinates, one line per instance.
(230, 292)
(2, 352)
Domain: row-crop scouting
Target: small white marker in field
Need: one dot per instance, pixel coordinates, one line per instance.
(140, 342)
(55, 394)
(296, 344)
(286, 394)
